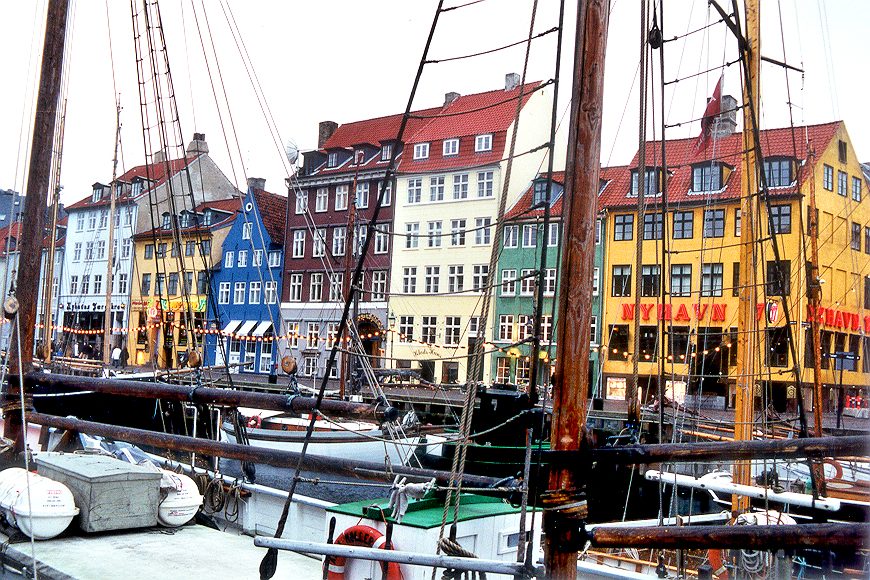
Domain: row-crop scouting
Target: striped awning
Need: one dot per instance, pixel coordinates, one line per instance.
(246, 328)
(262, 328)
(231, 326)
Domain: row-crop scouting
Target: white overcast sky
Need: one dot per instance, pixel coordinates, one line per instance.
(346, 60)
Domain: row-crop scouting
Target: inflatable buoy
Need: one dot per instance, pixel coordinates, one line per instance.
(254, 422)
(364, 537)
(288, 365)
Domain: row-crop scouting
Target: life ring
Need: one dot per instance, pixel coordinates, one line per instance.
(838, 469)
(364, 537)
(717, 561)
(254, 422)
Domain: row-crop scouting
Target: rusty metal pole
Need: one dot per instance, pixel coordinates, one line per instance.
(571, 388)
(27, 286)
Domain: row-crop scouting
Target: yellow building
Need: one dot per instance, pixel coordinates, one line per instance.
(170, 293)
(700, 269)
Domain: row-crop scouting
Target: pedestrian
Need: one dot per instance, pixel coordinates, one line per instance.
(125, 356)
(116, 357)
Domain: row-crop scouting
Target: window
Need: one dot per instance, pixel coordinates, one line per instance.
(530, 235)
(480, 277)
(318, 248)
(128, 215)
(737, 223)
(386, 151)
(412, 235)
(455, 278)
(274, 258)
(599, 229)
(457, 232)
(485, 184)
(778, 278)
(341, 197)
(867, 239)
(650, 281)
(450, 147)
(362, 195)
(312, 336)
(382, 239)
(503, 369)
(421, 151)
(332, 159)
(201, 282)
(856, 236)
(254, 292)
(842, 183)
(406, 328)
(104, 218)
(77, 252)
(175, 250)
(257, 259)
(161, 251)
(780, 215)
(122, 283)
(310, 366)
(223, 293)
(684, 225)
(679, 342)
(711, 279)
(436, 188)
(482, 230)
(681, 279)
(409, 280)
(299, 244)
(549, 281)
(540, 191)
(331, 334)
(841, 149)
(189, 248)
(74, 284)
(714, 223)
(623, 227)
(617, 347)
(98, 283)
(339, 237)
(473, 325)
(205, 248)
(828, 177)
(315, 287)
(92, 220)
(80, 221)
(707, 177)
(649, 338)
(238, 292)
(652, 226)
(856, 188)
(527, 282)
(145, 286)
(89, 251)
(432, 279)
(292, 334)
(506, 327)
(336, 284)
(435, 234)
(295, 288)
(508, 282)
(271, 293)
(248, 227)
(452, 330)
(321, 199)
(777, 172)
(621, 281)
(229, 259)
(510, 236)
(415, 190)
(596, 281)
(777, 346)
(483, 143)
(149, 251)
(553, 236)
(651, 182)
(429, 329)
(379, 285)
(242, 261)
(593, 330)
(525, 327)
(387, 195)
(188, 282)
(460, 186)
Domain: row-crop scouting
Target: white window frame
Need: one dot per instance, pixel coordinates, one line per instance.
(530, 235)
(434, 234)
(455, 278)
(257, 260)
(482, 231)
(415, 190)
(321, 200)
(295, 288)
(318, 249)
(483, 143)
(274, 258)
(270, 294)
(336, 286)
(339, 240)
(527, 284)
(239, 292)
(247, 230)
(436, 188)
(242, 259)
(229, 259)
(315, 287)
(421, 151)
(460, 186)
(450, 147)
(361, 199)
(485, 184)
(382, 240)
(379, 285)
(299, 244)
(254, 291)
(341, 192)
(224, 293)
(412, 235)
(509, 282)
(511, 237)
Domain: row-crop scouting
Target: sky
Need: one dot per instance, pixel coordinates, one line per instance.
(345, 60)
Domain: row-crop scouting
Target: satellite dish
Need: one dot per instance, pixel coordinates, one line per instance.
(292, 152)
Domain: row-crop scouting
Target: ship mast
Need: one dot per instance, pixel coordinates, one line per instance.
(571, 378)
(747, 322)
(48, 282)
(113, 194)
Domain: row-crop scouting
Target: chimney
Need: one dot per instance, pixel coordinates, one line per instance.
(159, 156)
(726, 122)
(511, 81)
(257, 183)
(198, 145)
(450, 97)
(324, 131)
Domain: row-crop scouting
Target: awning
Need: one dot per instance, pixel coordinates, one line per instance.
(262, 328)
(246, 328)
(229, 328)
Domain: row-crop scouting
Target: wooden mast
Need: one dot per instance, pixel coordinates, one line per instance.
(45, 119)
(747, 338)
(113, 194)
(48, 282)
(571, 378)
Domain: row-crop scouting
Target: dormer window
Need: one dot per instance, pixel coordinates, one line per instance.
(386, 152)
(137, 187)
(207, 217)
(707, 177)
(652, 182)
(451, 147)
(167, 221)
(332, 159)
(421, 151)
(777, 171)
(185, 219)
(483, 143)
(540, 191)
(359, 156)
(98, 193)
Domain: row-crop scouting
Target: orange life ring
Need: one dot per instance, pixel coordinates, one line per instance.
(364, 537)
(254, 422)
(717, 561)
(838, 469)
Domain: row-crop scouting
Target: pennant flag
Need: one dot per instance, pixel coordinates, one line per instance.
(714, 108)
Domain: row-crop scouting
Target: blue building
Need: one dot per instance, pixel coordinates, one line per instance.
(246, 286)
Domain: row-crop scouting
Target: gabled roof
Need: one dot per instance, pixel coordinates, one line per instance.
(156, 172)
(375, 131)
(682, 156)
(273, 208)
(13, 230)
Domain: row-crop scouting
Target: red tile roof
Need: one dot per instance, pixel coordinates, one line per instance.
(231, 206)
(374, 131)
(681, 155)
(273, 209)
(522, 209)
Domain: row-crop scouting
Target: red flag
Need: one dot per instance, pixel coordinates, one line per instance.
(714, 108)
